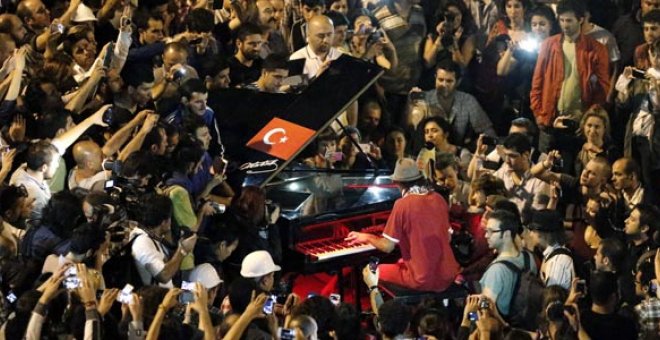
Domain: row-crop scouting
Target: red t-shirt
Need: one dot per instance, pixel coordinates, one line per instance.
(419, 224)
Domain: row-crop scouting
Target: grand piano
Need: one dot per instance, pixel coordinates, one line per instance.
(318, 207)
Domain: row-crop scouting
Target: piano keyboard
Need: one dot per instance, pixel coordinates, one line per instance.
(330, 250)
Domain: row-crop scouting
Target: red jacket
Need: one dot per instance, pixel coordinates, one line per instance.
(593, 65)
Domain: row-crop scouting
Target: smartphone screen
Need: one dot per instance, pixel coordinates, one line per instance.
(270, 303)
(373, 264)
(335, 299)
(126, 294)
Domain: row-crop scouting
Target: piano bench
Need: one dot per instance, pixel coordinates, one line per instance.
(414, 297)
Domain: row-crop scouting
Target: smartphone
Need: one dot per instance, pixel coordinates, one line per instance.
(417, 95)
(653, 288)
(108, 55)
(581, 286)
(366, 147)
(11, 297)
(270, 303)
(334, 156)
(473, 316)
(186, 297)
(488, 140)
(490, 165)
(484, 304)
(126, 295)
(287, 334)
(189, 286)
(56, 28)
(108, 116)
(71, 279)
(373, 264)
(638, 74)
(335, 299)
(570, 124)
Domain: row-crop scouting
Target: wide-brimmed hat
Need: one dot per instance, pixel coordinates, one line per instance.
(406, 171)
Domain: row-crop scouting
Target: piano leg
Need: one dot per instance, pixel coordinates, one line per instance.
(357, 284)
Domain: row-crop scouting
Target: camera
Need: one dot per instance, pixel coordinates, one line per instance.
(179, 73)
(112, 165)
(570, 124)
(417, 95)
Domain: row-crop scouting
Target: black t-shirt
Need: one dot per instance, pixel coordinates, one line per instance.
(608, 326)
(240, 74)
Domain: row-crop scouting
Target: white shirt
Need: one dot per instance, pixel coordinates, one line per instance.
(635, 198)
(86, 183)
(312, 61)
(150, 256)
(526, 194)
(35, 189)
(558, 270)
(643, 124)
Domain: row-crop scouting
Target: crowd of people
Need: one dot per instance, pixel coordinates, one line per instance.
(521, 134)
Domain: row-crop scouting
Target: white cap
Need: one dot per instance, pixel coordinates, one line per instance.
(83, 14)
(206, 275)
(257, 264)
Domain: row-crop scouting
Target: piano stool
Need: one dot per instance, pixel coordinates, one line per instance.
(414, 297)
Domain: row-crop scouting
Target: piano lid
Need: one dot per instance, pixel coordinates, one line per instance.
(265, 132)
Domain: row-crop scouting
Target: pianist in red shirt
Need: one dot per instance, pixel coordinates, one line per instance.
(419, 225)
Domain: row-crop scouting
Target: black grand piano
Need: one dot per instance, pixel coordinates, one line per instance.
(319, 207)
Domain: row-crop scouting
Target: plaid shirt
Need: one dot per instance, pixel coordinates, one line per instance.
(648, 313)
(466, 113)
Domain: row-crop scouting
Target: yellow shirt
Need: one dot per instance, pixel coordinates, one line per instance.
(570, 100)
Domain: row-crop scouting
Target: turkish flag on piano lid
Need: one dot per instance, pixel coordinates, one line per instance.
(280, 138)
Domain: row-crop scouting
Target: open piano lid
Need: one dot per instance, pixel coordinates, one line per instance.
(272, 130)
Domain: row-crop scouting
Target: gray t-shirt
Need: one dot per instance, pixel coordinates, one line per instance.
(501, 280)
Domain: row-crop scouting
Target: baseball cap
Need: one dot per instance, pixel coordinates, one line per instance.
(206, 275)
(258, 263)
(406, 171)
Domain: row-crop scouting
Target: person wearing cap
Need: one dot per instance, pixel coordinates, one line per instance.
(547, 233)
(206, 274)
(259, 266)
(419, 218)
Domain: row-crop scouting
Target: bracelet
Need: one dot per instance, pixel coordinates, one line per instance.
(89, 304)
(372, 288)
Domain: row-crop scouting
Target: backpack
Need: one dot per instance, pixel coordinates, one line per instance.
(527, 301)
(120, 269)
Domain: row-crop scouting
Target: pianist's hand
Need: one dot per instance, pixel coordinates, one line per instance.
(355, 237)
(370, 278)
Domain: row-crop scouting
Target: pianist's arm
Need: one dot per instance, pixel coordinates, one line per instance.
(381, 243)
